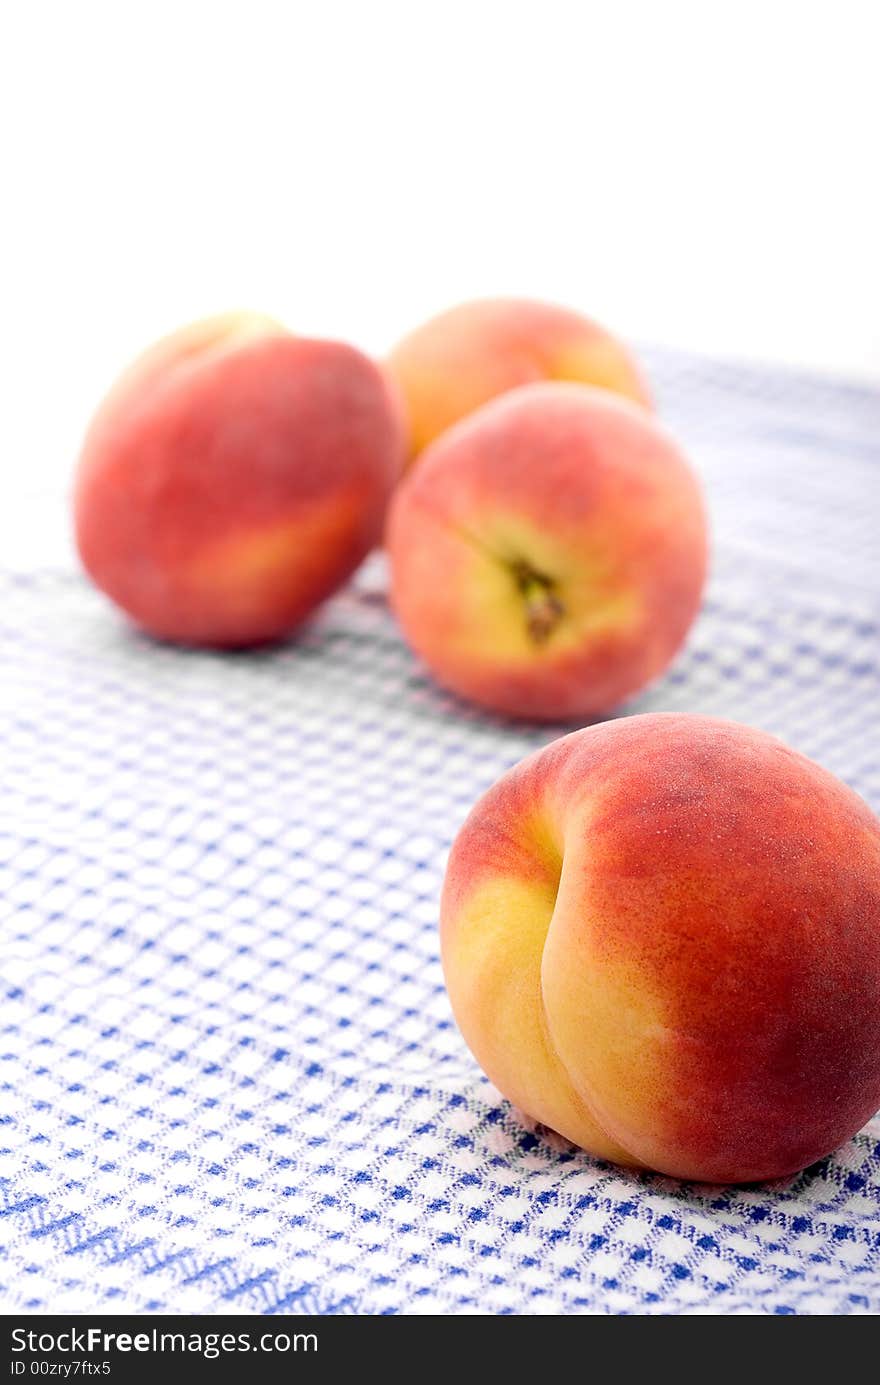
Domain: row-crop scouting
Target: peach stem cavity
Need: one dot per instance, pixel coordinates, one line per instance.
(543, 607)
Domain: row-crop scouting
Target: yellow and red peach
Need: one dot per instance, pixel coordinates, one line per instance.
(462, 358)
(548, 552)
(661, 938)
(233, 478)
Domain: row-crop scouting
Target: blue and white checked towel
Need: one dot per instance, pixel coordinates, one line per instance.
(230, 1079)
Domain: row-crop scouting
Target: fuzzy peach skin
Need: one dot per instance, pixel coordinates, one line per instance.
(548, 553)
(233, 478)
(464, 357)
(661, 938)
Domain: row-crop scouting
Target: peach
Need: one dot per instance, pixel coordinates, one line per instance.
(548, 552)
(464, 357)
(661, 938)
(233, 478)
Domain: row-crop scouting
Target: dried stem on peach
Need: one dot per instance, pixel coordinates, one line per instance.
(544, 610)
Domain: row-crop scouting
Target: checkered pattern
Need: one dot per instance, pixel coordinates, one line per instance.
(229, 1077)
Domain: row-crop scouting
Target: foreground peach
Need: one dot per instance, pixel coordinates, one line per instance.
(233, 478)
(661, 938)
(548, 553)
(464, 357)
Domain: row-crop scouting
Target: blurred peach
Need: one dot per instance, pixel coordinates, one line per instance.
(548, 552)
(233, 478)
(464, 357)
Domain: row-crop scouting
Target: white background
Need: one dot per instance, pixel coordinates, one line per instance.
(704, 175)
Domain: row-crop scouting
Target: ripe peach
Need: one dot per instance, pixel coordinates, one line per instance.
(233, 478)
(464, 357)
(548, 552)
(661, 937)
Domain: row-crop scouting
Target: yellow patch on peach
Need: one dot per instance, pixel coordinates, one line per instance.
(608, 1026)
(246, 570)
(596, 605)
(493, 956)
(599, 362)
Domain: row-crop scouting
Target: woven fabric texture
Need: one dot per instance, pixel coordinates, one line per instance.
(229, 1076)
